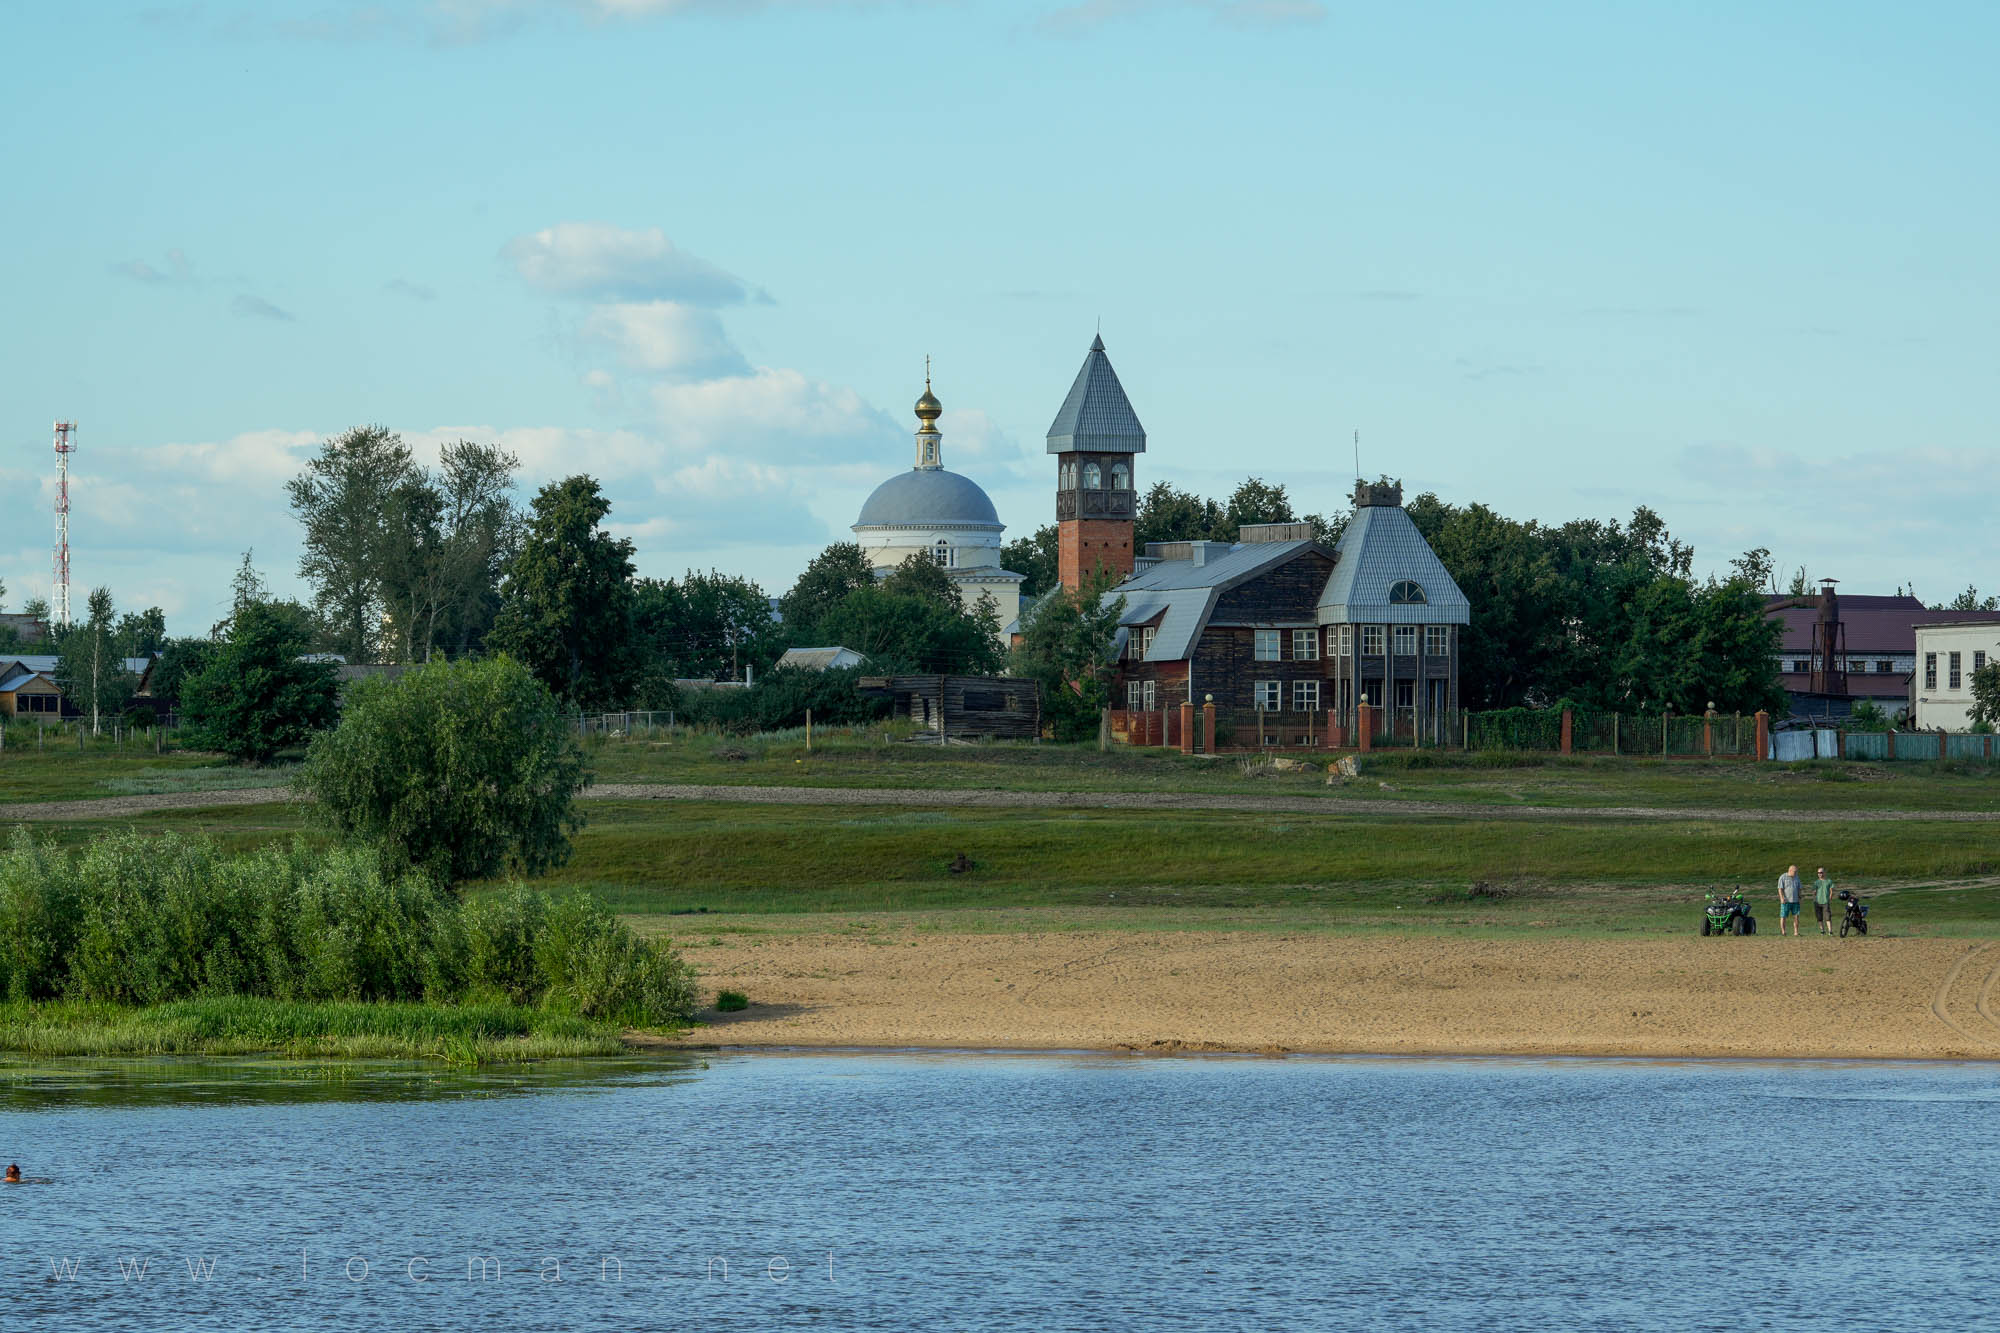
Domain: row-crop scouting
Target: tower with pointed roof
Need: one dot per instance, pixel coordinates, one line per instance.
(1095, 438)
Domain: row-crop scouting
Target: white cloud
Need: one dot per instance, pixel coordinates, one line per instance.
(599, 261)
(773, 415)
(256, 307)
(1086, 16)
(179, 269)
(664, 338)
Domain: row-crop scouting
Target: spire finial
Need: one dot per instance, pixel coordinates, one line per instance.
(927, 372)
(929, 409)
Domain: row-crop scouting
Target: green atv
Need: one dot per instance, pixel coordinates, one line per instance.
(1728, 914)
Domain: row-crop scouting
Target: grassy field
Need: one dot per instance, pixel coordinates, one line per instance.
(457, 1034)
(653, 860)
(856, 760)
(64, 773)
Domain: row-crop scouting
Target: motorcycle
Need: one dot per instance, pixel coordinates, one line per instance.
(1856, 918)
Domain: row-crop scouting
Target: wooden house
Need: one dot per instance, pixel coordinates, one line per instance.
(964, 707)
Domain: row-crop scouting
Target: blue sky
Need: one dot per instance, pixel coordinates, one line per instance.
(1735, 262)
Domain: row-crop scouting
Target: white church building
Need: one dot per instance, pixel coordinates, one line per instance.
(943, 516)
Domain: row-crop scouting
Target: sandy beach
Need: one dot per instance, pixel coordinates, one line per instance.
(1767, 997)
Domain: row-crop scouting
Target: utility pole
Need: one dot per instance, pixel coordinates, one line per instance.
(59, 603)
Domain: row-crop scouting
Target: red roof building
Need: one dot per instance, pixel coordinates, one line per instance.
(1840, 649)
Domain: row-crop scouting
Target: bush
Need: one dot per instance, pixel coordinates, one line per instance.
(145, 921)
(780, 700)
(458, 769)
(255, 697)
(731, 1001)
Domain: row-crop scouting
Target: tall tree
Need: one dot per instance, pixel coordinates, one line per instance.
(90, 671)
(344, 500)
(910, 631)
(141, 633)
(566, 604)
(446, 536)
(1066, 649)
(255, 696)
(832, 574)
(1970, 600)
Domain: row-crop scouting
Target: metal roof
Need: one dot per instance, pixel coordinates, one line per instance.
(819, 659)
(1097, 417)
(1381, 547)
(1183, 593)
(928, 495)
(16, 680)
(1869, 624)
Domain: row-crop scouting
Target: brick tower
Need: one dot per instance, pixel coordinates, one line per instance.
(1095, 438)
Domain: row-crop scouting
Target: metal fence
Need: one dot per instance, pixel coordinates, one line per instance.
(612, 725)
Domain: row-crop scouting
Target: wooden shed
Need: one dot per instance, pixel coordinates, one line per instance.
(964, 707)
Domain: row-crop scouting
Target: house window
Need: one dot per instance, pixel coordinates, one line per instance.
(944, 554)
(1305, 645)
(1437, 641)
(1371, 640)
(1858, 665)
(1406, 640)
(1121, 477)
(1343, 640)
(1930, 671)
(1269, 696)
(1093, 478)
(1978, 660)
(1800, 665)
(1266, 649)
(38, 703)
(1139, 642)
(1146, 639)
(1149, 696)
(1955, 679)
(1135, 697)
(1406, 694)
(1406, 593)
(1885, 667)
(1305, 696)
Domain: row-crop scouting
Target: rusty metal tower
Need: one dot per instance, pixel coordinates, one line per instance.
(59, 604)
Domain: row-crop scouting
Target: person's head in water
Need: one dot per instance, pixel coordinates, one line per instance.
(14, 1172)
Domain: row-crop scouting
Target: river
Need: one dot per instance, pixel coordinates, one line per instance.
(982, 1191)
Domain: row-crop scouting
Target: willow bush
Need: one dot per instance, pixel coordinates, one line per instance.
(149, 920)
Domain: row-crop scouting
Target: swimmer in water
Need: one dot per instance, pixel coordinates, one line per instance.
(14, 1173)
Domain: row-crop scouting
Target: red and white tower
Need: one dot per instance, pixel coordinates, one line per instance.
(59, 609)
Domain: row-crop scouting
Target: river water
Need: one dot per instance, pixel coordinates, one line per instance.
(1002, 1192)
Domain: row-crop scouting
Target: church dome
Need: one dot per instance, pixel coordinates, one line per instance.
(928, 496)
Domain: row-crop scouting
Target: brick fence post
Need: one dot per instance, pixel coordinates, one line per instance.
(1364, 721)
(1187, 727)
(1763, 734)
(1208, 727)
(1568, 731)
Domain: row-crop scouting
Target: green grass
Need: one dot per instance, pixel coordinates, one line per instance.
(62, 772)
(236, 1025)
(856, 759)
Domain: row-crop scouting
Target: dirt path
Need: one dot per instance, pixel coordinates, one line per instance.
(115, 807)
(1247, 991)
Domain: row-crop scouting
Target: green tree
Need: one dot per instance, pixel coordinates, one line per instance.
(832, 574)
(1970, 600)
(446, 538)
(255, 697)
(90, 671)
(1168, 514)
(344, 500)
(141, 633)
(458, 769)
(1986, 696)
(1066, 649)
(566, 604)
(181, 660)
(1037, 559)
(903, 632)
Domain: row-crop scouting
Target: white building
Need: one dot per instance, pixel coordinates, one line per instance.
(1947, 655)
(940, 516)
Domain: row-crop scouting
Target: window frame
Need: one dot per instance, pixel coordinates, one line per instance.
(1957, 676)
(1267, 696)
(1883, 668)
(1374, 640)
(1093, 477)
(1930, 671)
(1307, 639)
(1151, 695)
(1133, 695)
(1259, 638)
(1437, 641)
(1405, 634)
(1121, 477)
(1404, 687)
(1343, 640)
(1408, 592)
(1301, 690)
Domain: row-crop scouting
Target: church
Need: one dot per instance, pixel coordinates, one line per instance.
(943, 516)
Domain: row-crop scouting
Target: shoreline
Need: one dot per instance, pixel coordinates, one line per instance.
(1357, 995)
(1191, 1053)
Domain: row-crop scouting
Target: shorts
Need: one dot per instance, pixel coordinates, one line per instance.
(1787, 909)
(1822, 913)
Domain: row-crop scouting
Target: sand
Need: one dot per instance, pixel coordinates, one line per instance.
(1167, 991)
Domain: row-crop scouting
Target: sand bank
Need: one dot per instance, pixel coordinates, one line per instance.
(1252, 991)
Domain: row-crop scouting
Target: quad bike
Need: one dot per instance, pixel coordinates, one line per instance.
(1857, 914)
(1728, 914)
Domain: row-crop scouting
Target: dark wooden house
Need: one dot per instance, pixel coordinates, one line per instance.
(964, 707)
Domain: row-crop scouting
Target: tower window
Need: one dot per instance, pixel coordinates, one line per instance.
(944, 554)
(1407, 593)
(1093, 478)
(1121, 477)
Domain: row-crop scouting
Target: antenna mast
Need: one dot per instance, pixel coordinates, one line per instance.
(59, 611)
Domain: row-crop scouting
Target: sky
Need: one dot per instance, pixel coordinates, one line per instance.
(1733, 262)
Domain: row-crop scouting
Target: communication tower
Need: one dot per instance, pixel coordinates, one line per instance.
(59, 610)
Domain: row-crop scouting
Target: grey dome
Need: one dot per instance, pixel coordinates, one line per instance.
(928, 495)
